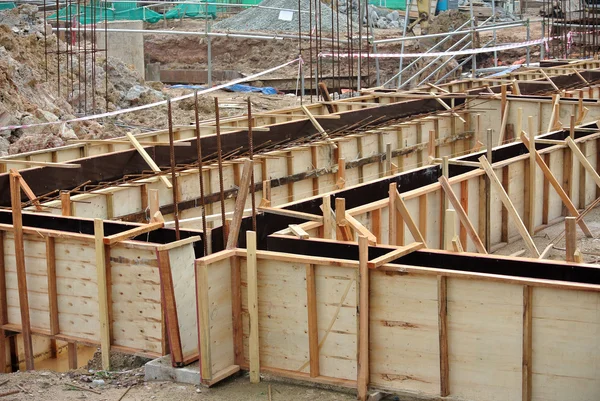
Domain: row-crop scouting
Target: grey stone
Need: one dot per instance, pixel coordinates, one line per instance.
(393, 16)
(161, 370)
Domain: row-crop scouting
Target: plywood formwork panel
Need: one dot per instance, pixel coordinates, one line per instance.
(126, 201)
(35, 266)
(281, 310)
(301, 162)
(566, 345)
(592, 155)
(516, 190)
(336, 321)
(404, 347)
(485, 339)
(434, 203)
(136, 302)
(181, 260)
(555, 204)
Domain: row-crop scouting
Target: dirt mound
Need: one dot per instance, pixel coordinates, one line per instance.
(448, 21)
(30, 91)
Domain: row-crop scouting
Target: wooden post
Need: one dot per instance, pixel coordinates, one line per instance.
(571, 238)
(392, 214)
(236, 310)
(388, 159)
(527, 367)
(65, 203)
(488, 195)
(240, 202)
(72, 355)
(103, 314)
(509, 206)
(327, 218)
(363, 318)
(412, 226)
(313, 329)
(443, 336)
(153, 202)
(266, 197)
(584, 162)
(253, 345)
(341, 174)
(15, 193)
(533, 195)
(343, 231)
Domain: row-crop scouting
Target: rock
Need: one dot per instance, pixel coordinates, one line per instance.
(98, 382)
(382, 23)
(66, 133)
(4, 146)
(394, 24)
(45, 116)
(393, 16)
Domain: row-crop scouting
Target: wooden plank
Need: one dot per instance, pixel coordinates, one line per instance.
(27, 191)
(376, 224)
(15, 193)
(392, 227)
(291, 213)
(343, 231)
(151, 163)
(240, 202)
(363, 318)
(443, 335)
(318, 126)
(52, 292)
(410, 223)
(527, 369)
(584, 162)
(170, 307)
(328, 224)
(204, 322)
(313, 330)
(462, 215)
(531, 184)
(65, 202)
(37, 163)
(3, 309)
(134, 232)
(359, 228)
(559, 190)
(298, 231)
(395, 254)
(103, 307)
(493, 179)
(252, 283)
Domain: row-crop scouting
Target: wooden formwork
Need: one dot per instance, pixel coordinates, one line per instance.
(110, 293)
(431, 323)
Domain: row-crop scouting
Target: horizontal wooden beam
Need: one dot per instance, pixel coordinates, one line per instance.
(395, 254)
(36, 163)
(291, 213)
(134, 232)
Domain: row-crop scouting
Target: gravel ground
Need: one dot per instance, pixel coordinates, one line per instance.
(262, 19)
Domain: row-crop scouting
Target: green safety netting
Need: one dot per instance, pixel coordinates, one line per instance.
(97, 11)
(7, 5)
(192, 11)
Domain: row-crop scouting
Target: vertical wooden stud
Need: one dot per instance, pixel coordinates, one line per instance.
(313, 331)
(328, 224)
(52, 293)
(532, 179)
(3, 308)
(363, 318)
(103, 313)
(443, 335)
(15, 192)
(423, 216)
(236, 308)
(505, 185)
(252, 280)
(392, 214)
(527, 368)
(153, 202)
(72, 355)
(204, 324)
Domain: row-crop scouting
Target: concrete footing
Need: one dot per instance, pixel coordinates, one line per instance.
(161, 370)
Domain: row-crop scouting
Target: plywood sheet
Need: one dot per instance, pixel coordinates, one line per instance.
(404, 346)
(220, 314)
(485, 339)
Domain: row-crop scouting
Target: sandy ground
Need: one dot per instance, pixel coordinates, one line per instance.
(590, 247)
(52, 386)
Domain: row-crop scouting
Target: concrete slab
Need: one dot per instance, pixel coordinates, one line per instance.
(161, 370)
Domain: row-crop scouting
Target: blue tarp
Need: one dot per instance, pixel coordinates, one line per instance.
(267, 90)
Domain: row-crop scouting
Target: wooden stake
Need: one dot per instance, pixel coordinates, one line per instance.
(103, 306)
(388, 159)
(318, 126)
(15, 193)
(52, 293)
(363, 318)
(328, 225)
(65, 203)
(266, 194)
(240, 202)
(72, 355)
(495, 183)
(341, 174)
(153, 203)
(252, 280)
(571, 238)
(449, 228)
(557, 187)
(392, 213)
(343, 232)
(533, 195)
